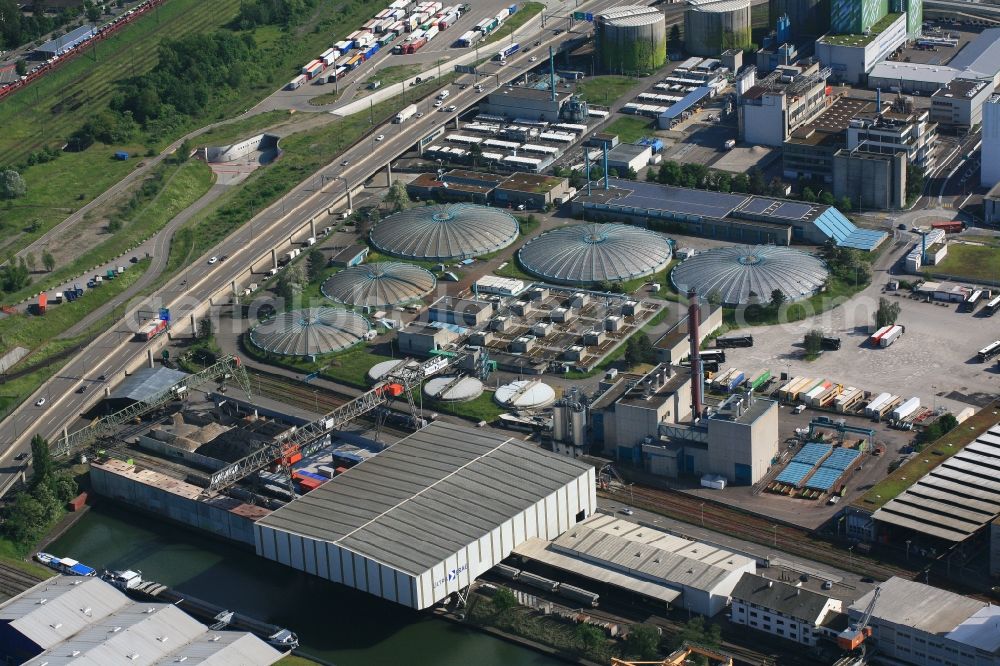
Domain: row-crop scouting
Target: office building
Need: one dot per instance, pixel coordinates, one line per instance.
(990, 173)
(959, 105)
(808, 153)
(893, 130)
(783, 610)
(785, 99)
(851, 56)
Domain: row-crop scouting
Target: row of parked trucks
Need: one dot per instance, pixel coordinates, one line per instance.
(72, 293)
(562, 589)
(422, 20)
(485, 28)
(823, 393)
(886, 335)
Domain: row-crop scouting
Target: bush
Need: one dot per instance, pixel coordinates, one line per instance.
(12, 185)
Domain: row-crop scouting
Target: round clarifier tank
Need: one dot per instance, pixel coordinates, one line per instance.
(310, 331)
(445, 232)
(379, 284)
(743, 274)
(588, 254)
(380, 371)
(525, 394)
(453, 388)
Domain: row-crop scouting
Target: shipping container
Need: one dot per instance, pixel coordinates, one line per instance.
(890, 336)
(330, 57)
(432, 32)
(759, 379)
(77, 502)
(150, 330)
(735, 380)
(315, 70)
(952, 227)
(387, 39)
(415, 46)
(877, 335)
(507, 52)
(341, 470)
(876, 403)
(372, 50)
(405, 114)
(354, 61)
(308, 67)
(906, 409)
(344, 46)
(848, 399)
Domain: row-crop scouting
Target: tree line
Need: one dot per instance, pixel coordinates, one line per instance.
(33, 512)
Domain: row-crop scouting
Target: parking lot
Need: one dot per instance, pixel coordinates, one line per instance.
(934, 360)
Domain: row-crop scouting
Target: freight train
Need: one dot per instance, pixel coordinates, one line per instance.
(562, 589)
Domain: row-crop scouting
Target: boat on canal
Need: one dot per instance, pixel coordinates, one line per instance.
(65, 565)
(131, 582)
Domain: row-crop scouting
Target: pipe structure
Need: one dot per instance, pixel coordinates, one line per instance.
(586, 165)
(552, 73)
(607, 184)
(697, 376)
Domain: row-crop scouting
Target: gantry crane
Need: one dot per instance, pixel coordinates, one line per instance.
(680, 657)
(288, 448)
(225, 368)
(855, 635)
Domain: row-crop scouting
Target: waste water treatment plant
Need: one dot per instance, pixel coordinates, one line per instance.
(310, 331)
(738, 272)
(380, 284)
(631, 38)
(445, 232)
(589, 254)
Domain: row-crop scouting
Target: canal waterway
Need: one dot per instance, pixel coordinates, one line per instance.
(340, 625)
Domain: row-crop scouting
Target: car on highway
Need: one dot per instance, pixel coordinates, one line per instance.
(380, 137)
(39, 402)
(557, 31)
(533, 59)
(223, 257)
(213, 260)
(627, 511)
(451, 108)
(345, 162)
(21, 456)
(82, 389)
(438, 102)
(538, 43)
(420, 114)
(463, 86)
(134, 260)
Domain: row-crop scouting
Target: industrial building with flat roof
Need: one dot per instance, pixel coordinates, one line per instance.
(518, 189)
(687, 574)
(81, 620)
(733, 217)
(927, 626)
(772, 107)
(425, 518)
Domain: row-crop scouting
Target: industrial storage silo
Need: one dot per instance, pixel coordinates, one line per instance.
(632, 38)
(714, 26)
(807, 18)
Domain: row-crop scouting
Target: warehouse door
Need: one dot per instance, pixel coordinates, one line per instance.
(744, 475)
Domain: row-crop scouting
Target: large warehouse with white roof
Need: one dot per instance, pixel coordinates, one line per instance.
(423, 519)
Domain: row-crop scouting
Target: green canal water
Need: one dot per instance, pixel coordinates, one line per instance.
(338, 624)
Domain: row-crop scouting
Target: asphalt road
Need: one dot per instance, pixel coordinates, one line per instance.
(114, 351)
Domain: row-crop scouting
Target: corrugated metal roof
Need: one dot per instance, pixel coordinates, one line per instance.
(58, 608)
(429, 495)
(87, 622)
(650, 554)
(224, 648)
(918, 606)
(981, 54)
(939, 504)
(144, 383)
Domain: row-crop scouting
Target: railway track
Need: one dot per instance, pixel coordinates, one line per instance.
(297, 394)
(724, 519)
(13, 581)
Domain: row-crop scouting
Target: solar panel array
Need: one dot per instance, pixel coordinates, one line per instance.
(794, 473)
(812, 453)
(832, 469)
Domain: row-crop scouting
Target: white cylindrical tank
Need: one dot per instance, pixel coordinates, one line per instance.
(578, 424)
(559, 422)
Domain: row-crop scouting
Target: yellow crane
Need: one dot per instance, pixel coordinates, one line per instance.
(679, 657)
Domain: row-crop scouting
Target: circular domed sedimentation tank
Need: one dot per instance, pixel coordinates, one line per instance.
(631, 38)
(525, 394)
(378, 371)
(441, 233)
(379, 284)
(736, 272)
(453, 389)
(713, 26)
(594, 253)
(310, 331)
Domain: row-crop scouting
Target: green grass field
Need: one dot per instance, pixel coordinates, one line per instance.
(525, 13)
(604, 90)
(970, 262)
(245, 128)
(185, 185)
(630, 128)
(48, 111)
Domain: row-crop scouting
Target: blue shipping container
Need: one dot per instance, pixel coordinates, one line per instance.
(372, 51)
(121, 155)
(736, 381)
